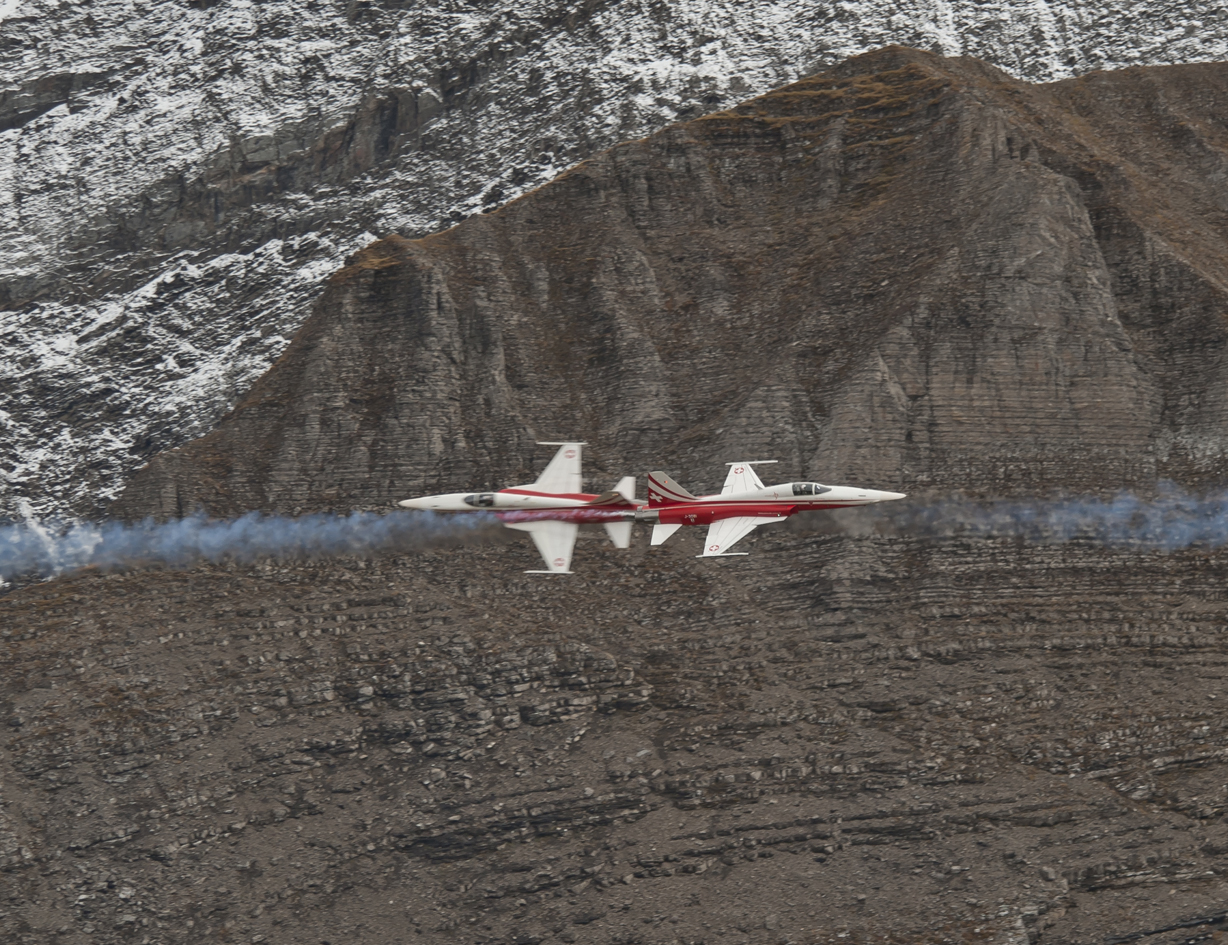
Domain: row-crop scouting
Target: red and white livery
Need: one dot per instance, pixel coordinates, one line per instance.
(551, 510)
(743, 504)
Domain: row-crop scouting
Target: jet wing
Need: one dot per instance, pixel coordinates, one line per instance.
(742, 477)
(562, 475)
(726, 533)
(554, 540)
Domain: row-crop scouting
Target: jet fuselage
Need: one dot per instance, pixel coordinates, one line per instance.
(779, 501)
(551, 510)
(505, 499)
(743, 505)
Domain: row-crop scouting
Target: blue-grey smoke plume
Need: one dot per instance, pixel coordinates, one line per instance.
(35, 549)
(1172, 519)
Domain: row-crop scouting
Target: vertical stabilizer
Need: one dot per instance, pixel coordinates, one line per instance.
(626, 488)
(562, 475)
(662, 490)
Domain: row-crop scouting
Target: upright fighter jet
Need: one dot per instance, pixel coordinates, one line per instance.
(744, 503)
(551, 510)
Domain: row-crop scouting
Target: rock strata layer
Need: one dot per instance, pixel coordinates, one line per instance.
(177, 179)
(908, 271)
(878, 739)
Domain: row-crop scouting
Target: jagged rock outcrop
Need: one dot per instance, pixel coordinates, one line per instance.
(177, 179)
(909, 271)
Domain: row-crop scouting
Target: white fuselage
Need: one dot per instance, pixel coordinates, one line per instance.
(521, 497)
(832, 496)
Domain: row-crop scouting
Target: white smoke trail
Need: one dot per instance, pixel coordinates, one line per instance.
(1172, 519)
(33, 549)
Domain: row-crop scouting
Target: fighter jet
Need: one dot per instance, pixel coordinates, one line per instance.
(744, 503)
(551, 510)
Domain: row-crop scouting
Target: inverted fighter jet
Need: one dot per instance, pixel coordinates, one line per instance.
(744, 503)
(551, 510)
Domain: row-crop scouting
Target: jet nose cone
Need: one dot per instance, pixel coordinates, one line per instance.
(412, 503)
(890, 496)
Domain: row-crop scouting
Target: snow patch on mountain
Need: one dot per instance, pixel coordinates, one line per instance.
(144, 370)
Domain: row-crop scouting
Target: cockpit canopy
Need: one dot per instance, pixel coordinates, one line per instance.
(481, 500)
(803, 488)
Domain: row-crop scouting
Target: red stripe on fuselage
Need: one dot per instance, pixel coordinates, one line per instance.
(708, 502)
(582, 496)
(705, 513)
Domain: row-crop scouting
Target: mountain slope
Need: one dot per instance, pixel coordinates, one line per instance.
(176, 179)
(906, 271)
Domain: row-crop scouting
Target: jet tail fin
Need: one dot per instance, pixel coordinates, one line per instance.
(662, 490)
(625, 487)
(621, 496)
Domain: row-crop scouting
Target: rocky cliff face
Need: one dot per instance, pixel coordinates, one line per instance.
(877, 739)
(914, 272)
(906, 270)
(176, 180)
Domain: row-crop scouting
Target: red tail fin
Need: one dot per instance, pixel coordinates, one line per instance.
(662, 490)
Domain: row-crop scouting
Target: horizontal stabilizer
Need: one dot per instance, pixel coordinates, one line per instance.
(662, 490)
(620, 533)
(662, 532)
